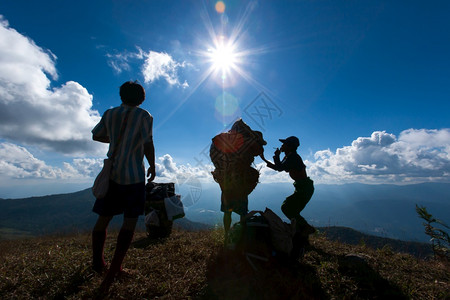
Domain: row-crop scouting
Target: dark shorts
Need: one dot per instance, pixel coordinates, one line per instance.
(128, 199)
(295, 203)
(235, 204)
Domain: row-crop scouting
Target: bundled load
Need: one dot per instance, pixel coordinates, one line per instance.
(162, 206)
(262, 237)
(232, 154)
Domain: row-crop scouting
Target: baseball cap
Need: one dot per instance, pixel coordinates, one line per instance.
(291, 141)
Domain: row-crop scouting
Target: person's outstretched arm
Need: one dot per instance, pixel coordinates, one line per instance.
(149, 152)
(269, 164)
(276, 165)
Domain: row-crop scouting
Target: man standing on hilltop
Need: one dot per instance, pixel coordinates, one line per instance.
(128, 130)
(304, 188)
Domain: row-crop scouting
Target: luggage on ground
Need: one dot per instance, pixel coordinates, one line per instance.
(157, 221)
(262, 237)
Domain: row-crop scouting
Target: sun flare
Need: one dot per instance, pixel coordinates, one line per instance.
(223, 57)
(226, 53)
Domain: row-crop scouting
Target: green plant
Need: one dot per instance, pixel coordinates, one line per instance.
(440, 240)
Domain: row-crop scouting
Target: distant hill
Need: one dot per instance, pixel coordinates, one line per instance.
(353, 237)
(69, 213)
(384, 210)
(188, 225)
(60, 214)
(63, 213)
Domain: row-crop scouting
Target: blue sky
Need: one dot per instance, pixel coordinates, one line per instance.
(365, 85)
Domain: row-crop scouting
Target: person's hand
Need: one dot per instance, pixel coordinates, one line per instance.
(277, 152)
(151, 173)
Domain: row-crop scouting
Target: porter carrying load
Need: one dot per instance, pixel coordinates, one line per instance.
(232, 154)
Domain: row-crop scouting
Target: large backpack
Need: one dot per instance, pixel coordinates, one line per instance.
(252, 239)
(232, 154)
(281, 233)
(262, 237)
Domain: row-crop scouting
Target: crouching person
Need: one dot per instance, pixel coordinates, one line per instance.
(304, 189)
(128, 130)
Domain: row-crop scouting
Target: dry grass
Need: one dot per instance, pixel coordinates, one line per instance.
(381, 274)
(194, 265)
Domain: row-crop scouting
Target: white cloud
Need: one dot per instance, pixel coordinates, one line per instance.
(185, 85)
(17, 162)
(58, 119)
(22, 62)
(167, 169)
(417, 155)
(121, 61)
(85, 167)
(267, 175)
(157, 65)
(161, 65)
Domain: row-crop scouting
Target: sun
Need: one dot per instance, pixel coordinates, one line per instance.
(226, 54)
(223, 56)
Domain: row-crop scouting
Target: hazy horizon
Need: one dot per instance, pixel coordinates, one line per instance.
(382, 210)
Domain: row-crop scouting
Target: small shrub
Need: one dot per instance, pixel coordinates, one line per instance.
(440, 240)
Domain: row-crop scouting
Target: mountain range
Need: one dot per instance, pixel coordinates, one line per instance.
(384, 210)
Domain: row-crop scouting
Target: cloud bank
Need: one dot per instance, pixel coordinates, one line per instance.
(58, 119)
(417, 155)
(16, 162)
(167, 169)
(156, 65)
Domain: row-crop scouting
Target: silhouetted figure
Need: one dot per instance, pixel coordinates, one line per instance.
(232, 154)
(304, 188)
(128, 130)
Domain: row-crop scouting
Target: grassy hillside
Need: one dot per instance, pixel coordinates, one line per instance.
(194, 265)
(354, 237)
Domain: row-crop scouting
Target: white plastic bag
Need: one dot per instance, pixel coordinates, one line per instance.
(174, 207)
(101, 183)
(152, 219)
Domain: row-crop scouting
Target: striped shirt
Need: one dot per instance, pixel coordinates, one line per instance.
(128, 167)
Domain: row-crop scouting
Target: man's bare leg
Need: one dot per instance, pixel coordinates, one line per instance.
(98, 243)
(242, 219)
(123, 243)
(226, 223)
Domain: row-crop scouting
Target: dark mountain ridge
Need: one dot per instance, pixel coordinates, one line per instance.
(383, 210)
